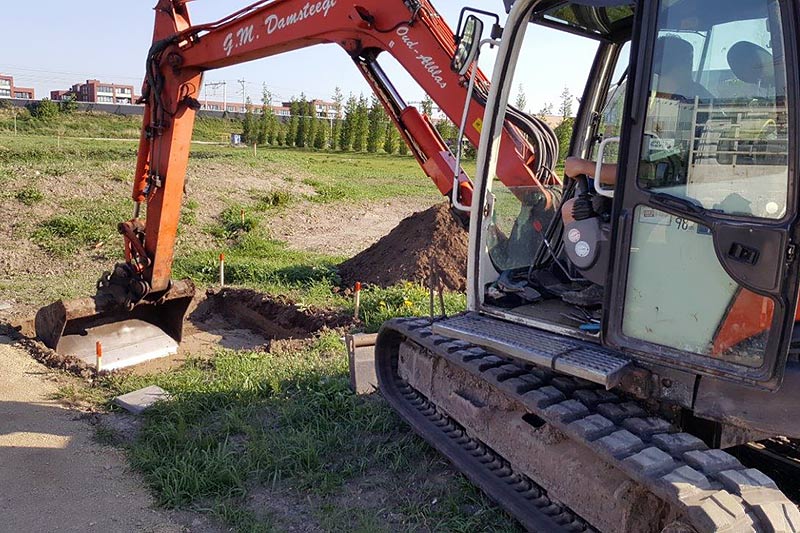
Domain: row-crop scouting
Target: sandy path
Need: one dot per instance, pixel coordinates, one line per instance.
(53, 476)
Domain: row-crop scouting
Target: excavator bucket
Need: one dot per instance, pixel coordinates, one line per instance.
(127, 337)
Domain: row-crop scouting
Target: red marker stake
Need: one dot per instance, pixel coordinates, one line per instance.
(98, 349)
(358, 299)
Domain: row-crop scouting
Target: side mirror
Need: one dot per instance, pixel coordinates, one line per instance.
(469, 42)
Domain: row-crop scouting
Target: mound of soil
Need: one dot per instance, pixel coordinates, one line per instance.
(434, 239)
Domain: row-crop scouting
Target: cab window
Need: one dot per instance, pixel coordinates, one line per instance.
(716, 127)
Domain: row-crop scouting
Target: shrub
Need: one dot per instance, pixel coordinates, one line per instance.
(44, 109)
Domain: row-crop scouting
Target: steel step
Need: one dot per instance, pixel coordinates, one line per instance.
(569, 356)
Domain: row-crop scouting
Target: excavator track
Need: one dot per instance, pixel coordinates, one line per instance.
(603, 461)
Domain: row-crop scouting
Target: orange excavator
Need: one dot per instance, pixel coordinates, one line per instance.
(631, 366)
(138, 304)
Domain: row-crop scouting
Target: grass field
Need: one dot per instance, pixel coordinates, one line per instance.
(105, 125)
(264, 441)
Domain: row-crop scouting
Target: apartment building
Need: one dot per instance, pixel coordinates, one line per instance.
(97, 92)
(9, 90)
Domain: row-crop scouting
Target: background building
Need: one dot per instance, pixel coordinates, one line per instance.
(97, 92)
(326, 110)
(9, 90)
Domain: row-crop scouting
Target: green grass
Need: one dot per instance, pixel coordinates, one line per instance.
(273, 200)
(107, 125)
(287, 421)
(81, 225)
(29, 196)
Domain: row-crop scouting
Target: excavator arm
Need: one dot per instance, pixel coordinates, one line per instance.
(410, 30)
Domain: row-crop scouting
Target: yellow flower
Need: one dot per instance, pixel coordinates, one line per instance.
(407, 303)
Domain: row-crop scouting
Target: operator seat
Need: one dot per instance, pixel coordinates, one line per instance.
(673, 59)
(752, 64)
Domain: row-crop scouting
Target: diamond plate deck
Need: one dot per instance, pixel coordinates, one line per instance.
(569, 356)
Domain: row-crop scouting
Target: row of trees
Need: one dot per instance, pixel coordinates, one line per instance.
(362, 127)
(365, 126)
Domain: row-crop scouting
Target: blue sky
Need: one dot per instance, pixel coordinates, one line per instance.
(58, 44)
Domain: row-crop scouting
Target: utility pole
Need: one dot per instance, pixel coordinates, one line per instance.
(244, 93)
(214, 85)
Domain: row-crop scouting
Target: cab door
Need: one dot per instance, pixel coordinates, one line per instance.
(704, 274)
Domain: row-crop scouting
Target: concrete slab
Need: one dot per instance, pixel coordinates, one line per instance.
(361, 356)
(125, 343)
(137, 401)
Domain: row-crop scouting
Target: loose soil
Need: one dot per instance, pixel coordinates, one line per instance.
(273, 316)
(332, 229)
(434, 240)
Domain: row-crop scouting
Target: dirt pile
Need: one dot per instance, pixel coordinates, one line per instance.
(428, 240)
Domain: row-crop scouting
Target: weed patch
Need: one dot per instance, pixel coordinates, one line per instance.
(235, 221)
(189, 213)
(273, 200)
(84, 224)
(29, 196)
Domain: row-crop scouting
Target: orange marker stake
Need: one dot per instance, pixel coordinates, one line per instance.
(98, 349)
(221, 270)
(358, 299)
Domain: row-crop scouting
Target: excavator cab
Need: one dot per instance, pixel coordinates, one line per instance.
(691, 251)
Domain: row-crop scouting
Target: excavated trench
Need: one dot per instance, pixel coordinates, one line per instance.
(229, 318)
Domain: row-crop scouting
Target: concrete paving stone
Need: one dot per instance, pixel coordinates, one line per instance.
(138, 401)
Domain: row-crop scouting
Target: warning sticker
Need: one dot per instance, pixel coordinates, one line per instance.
(648, 215)
(574, 235)
(478, 124)
(658, 145)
